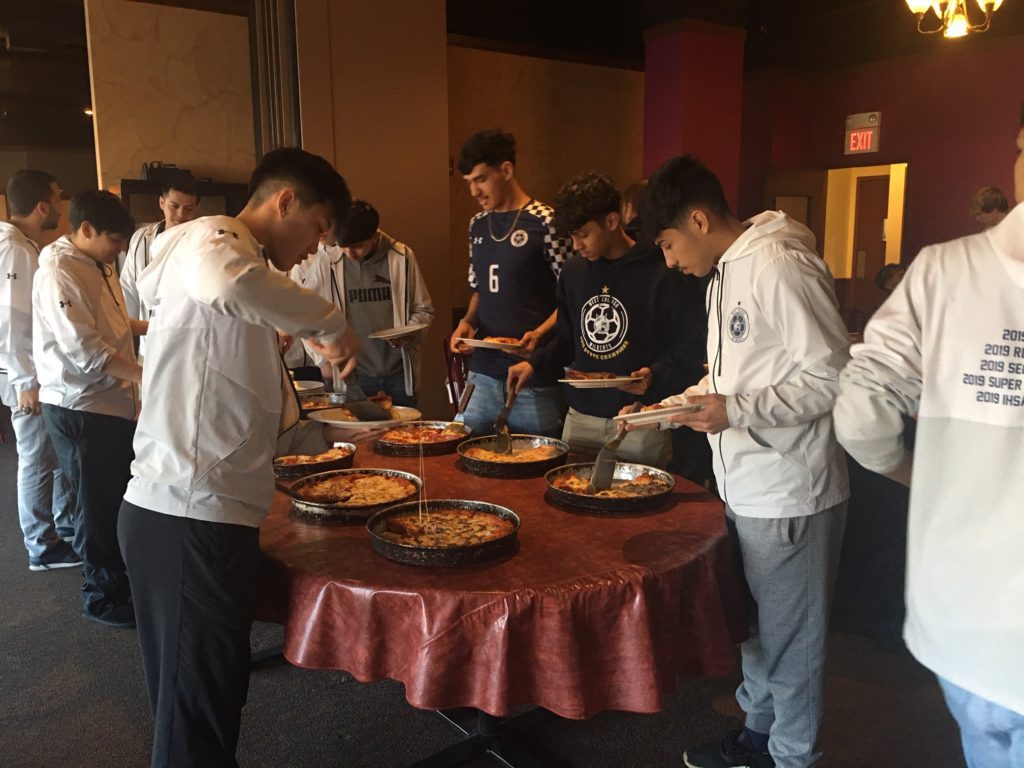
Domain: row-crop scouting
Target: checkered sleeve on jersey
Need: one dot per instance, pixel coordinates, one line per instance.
(556, 249)
(473, 282)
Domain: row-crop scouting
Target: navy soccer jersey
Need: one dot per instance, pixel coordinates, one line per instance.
(514, 262)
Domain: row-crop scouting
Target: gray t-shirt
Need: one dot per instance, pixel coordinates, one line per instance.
(369, 309)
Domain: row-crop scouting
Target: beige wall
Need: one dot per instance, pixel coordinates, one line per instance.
(374, 101)
(169, 84)
(567, 118)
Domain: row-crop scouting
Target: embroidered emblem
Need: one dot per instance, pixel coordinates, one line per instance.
(520, 238)
(604, 322)
(739, 325)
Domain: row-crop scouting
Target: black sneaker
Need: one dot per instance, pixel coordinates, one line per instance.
(60, 555)
(118, 616)
(733, 751)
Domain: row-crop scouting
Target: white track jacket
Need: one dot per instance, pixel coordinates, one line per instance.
(948, 347)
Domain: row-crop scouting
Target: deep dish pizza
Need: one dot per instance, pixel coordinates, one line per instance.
(503, 340)
(331, 455)
(420, 435)
(358, 489)
(446, 528)
(536, 453)
(644, 484)
(575, 375)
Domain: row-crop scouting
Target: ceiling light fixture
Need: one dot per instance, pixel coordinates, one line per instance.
(952, 16)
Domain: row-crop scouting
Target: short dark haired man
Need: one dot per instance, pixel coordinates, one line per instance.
(83, 346)
(776, 344)
(620, 311)
(989, 206)
(45, 505)
(179, 203)
(216, 399)
(945, 348)
(514, 261)
(376, 281)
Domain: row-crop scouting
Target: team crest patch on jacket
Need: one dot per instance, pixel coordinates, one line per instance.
(520, 238)
(739, 325)
(604, 321)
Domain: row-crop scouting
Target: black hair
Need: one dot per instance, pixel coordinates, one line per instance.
(491, 147)
(590, 197)
(26, 189)
(634, 194)
(103, 210)
(314, 179)
(676, 188)
(179, 182)
(358, 224)
(885, 273)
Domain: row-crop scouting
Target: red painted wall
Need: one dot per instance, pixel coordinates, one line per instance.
(953, 116)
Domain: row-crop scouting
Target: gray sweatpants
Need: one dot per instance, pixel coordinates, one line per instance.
(790, 565)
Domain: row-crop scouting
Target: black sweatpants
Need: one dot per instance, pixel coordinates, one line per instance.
(192, 580)
(95, 454)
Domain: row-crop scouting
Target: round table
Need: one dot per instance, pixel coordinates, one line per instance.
(592, 612)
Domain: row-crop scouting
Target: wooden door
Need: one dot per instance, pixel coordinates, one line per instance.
(872, 209)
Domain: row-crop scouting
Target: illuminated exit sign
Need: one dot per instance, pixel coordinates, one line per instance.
(863, 132)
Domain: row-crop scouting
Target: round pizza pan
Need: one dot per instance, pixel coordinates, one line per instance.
(442, 556)
(623, 471)
(389, 448)
(337, 511)
(509, 469)
(291, 471)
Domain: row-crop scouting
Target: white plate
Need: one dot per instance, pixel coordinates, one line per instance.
(308, 386)
(600, 383)
(397, 333)
(330, 416)
(481, 344)
(657, 415)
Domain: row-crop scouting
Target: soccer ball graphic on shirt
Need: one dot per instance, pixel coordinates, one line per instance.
(604, 323)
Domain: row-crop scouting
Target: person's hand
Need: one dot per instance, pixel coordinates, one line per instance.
(529, 343)
(341, 352)
(638, 387)
(284, 342)
(630, 409)
(28, 401)
(518, 375)
(464, 331)
(714, 417)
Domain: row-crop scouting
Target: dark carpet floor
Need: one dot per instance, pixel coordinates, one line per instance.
(72, 693)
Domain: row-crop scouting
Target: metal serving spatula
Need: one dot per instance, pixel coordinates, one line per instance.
(604, 466)
(364, 410)
(456, 426)
(502, 438)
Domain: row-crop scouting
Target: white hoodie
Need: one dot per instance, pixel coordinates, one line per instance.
(78, 323)
(776, 344)
(139, 254)
(214, 386)
(948, 347)
(19, 260)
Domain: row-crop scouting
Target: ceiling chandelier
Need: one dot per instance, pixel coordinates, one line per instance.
(952, 16)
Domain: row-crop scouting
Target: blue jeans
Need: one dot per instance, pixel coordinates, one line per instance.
(393, 385)
(992, 736)
(44, 496)
(536, 411)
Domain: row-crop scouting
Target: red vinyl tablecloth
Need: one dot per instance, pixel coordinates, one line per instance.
(592, 612)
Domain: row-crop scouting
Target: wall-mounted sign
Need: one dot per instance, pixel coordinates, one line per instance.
(863, 133)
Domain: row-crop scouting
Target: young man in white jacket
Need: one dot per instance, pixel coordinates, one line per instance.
(376, 281)
(83, 347)
(947, 348)
(179, 203)
(45, 505)
(216, 397)
(776, 344)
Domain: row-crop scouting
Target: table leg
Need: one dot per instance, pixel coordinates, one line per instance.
(488, 736)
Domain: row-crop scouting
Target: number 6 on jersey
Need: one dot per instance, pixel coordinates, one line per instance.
(492, 278)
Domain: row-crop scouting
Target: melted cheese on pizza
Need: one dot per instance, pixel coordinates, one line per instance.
(446, 528)
(645, 484)
(332, 455)
(537, 453)
(358, 490)
(419, 435)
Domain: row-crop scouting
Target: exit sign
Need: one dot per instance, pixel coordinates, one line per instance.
(863, 132)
